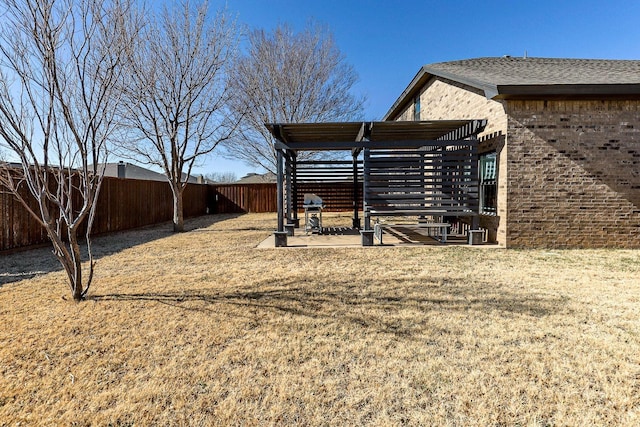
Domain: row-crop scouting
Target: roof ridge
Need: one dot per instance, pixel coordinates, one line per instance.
(533, 59)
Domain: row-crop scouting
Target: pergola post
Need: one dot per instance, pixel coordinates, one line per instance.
(280, 235)
(280, 187)
(365, 189)
(356, 201)
(294, 192)
(289, 188)
(367, 233)
(423, 181)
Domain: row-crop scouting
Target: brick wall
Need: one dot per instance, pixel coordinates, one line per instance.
(442, 99)
(568, 171)
(573, 174)
(448, 100)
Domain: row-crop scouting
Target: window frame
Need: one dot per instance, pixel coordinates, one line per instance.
(488, 183)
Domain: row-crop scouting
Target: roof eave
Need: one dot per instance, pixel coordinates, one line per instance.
(426, 73)
(490, 89)
(567, 90)
(408, 93)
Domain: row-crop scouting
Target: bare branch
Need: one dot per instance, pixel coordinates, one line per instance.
(177, 93)
(288, 77)
(60, 62)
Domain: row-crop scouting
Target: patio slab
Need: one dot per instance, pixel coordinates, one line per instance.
(349, 237)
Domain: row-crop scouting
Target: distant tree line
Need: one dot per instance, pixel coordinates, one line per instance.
(221, 177)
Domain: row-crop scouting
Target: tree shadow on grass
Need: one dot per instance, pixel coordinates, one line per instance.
(31, 262)
(112, 243)
(392, 307)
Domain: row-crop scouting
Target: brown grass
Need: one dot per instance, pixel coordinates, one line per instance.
(201, 328)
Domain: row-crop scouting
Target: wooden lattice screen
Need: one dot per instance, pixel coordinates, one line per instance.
(433, 180)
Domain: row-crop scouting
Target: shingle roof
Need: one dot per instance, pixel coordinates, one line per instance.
(255, 178)
(132, 171)
(541, 71)
(504, 77)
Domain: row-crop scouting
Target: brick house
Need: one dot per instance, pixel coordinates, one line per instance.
(560, 155)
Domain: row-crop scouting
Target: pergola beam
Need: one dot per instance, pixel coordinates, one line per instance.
(360, 145)
(320, 134)
(470, 129)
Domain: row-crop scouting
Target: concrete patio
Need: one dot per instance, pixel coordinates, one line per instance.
(394, 236)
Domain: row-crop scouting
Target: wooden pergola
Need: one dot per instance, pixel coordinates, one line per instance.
(412, 168)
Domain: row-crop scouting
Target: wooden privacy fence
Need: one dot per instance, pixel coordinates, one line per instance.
(241, 198)
(336, 196)
(123, 204)
(127, 203)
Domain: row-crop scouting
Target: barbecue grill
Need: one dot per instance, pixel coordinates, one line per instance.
(312, 213)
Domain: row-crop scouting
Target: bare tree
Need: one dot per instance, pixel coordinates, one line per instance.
(222, 177)
(288, 77)
(59, 64)
(178, 93)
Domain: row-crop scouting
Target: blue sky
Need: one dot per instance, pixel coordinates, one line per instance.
(388, 41)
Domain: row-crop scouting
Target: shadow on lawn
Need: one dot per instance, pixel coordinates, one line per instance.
(105, 245)
(29, 263)
(385, 309)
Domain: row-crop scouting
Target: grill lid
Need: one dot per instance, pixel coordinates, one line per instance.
(311, 199)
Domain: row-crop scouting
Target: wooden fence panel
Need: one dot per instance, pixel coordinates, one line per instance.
(258, 198)
(126, 204)
(262, 198)
(195, 201)
(336, 196)
(243, 198)
(19, 228)
(123, 204)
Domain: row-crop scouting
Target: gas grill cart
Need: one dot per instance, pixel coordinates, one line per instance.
(312, 213)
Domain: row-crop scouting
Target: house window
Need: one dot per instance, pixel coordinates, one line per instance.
(488, 184)
(416, 108)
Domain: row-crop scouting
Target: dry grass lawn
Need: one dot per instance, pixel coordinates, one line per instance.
(203, 329)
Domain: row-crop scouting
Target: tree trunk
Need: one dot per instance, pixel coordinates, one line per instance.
(178, 214)
(78, 287)
(70, 256)
(76, 266)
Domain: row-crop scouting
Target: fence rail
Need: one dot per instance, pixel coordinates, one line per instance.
(126, 204)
